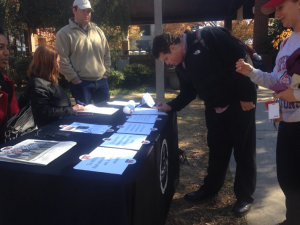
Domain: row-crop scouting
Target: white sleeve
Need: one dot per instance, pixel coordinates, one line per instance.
(263, 79)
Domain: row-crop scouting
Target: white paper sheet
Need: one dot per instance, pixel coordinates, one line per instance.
(121, 103)
(147, 111)
(142, 118)
(127, 141)
(136, 128)
(86, 128)
(99, 110)
(107, 160)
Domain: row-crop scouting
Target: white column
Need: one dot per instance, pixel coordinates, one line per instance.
(159, 65)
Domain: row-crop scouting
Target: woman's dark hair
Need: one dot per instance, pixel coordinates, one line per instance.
(162, 42)
(44, 64)
(1, 31)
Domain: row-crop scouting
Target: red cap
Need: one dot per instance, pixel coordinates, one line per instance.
(269, 7)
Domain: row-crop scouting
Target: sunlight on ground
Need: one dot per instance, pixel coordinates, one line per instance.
(261, 121)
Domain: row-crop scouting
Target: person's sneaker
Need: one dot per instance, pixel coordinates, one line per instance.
(241, 208)
(198, 195)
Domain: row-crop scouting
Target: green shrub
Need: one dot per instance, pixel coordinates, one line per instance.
(18, 69)
(12, 66)
(115, 78)
(136, 75)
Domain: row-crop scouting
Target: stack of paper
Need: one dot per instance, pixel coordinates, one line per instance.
(99, 110)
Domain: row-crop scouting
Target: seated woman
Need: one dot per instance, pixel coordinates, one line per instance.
(8, 101)
(49, 101)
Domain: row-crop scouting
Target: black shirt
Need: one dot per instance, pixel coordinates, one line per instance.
(210, 71)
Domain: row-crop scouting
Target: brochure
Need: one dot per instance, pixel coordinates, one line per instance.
(86, 128)
(35, 152)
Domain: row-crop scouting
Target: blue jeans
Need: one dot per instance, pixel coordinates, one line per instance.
(86, 91)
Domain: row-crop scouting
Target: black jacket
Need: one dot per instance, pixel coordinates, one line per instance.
(49, 101)
(210, 71)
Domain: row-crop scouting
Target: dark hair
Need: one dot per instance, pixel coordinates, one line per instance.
(44, 64)
(162, 42)
(1, 31)
(75, 7)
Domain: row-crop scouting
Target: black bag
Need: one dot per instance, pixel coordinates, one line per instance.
(259, 64)
(20, 124)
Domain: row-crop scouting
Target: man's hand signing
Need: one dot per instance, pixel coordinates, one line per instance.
(163, 107)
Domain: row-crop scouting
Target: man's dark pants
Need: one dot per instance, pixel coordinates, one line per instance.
(86, 91)
(288, 168)
(233, 129)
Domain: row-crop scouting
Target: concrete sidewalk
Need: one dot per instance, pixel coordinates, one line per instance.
(269, 202)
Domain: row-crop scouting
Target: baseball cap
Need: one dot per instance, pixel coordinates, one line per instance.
(83, 4)
(269, 7)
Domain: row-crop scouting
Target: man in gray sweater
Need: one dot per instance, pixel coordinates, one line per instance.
(84, 55)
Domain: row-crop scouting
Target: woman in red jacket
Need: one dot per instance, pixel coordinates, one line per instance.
(8, 101)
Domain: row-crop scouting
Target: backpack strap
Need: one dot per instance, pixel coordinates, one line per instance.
(23, 100)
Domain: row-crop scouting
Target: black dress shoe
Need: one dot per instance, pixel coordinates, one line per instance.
(198, 195)
(241, 208)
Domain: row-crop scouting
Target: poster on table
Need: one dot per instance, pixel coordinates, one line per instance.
(136, 128)
(35, 152)
(106, 160)
(142, 118)
(125, 141)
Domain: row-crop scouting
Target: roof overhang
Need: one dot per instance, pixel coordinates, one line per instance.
(175, 11)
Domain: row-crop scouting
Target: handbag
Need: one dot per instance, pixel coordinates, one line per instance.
(20, 124)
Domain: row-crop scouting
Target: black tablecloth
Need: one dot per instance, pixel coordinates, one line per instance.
(59, 194)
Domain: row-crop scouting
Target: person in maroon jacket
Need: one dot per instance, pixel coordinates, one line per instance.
(7, 91)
